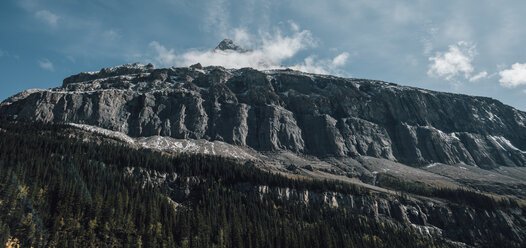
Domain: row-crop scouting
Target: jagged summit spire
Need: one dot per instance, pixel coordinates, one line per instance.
(228, 44)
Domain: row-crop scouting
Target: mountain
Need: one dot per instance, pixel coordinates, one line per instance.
(435, 164)
(275, 110)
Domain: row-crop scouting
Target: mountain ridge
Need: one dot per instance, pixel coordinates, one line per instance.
(435, 164)
(274, 110)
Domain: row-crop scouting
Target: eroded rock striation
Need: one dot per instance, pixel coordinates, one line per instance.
(285, 110)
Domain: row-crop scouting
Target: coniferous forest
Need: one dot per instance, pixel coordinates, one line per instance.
(58, 190)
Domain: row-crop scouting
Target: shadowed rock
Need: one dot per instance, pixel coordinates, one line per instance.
(228, 44)
(286, 110)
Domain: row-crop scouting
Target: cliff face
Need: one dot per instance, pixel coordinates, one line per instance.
(286, 110)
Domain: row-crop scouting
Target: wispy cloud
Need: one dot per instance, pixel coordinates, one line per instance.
(274, 49)
(270, 52)
(513, 77)
(457, 61)
(427, 40)
(47, 17)
(478, 76)
(164, 56)
(341, 59)
(217, 18)
(46, 64)
(242, 37)
(323, 66)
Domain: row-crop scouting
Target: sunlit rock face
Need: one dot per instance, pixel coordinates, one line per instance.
(285, 110)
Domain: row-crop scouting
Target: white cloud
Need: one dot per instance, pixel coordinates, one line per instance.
(242, 37)
(46, 64)
(164, 56)
(295, 27)
(311, 65)
(47, 17)
(478, 76)
(513, 77)
(341, 59)
(323, 66)
(457, 60)
(271, 51)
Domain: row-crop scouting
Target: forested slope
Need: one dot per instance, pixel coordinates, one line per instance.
(64, 192)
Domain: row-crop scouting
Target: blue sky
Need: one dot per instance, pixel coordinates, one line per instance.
(469, 47)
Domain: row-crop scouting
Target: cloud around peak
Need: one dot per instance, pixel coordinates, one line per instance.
(269, 51)
(272, 50)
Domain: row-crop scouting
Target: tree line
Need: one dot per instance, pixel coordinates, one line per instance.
(58, 190)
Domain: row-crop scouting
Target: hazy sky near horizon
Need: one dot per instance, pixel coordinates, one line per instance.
(469, 47)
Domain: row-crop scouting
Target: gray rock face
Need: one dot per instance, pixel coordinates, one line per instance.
(284, 109)
(228, 44)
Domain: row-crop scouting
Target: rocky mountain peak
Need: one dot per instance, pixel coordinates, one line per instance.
(228, 44)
